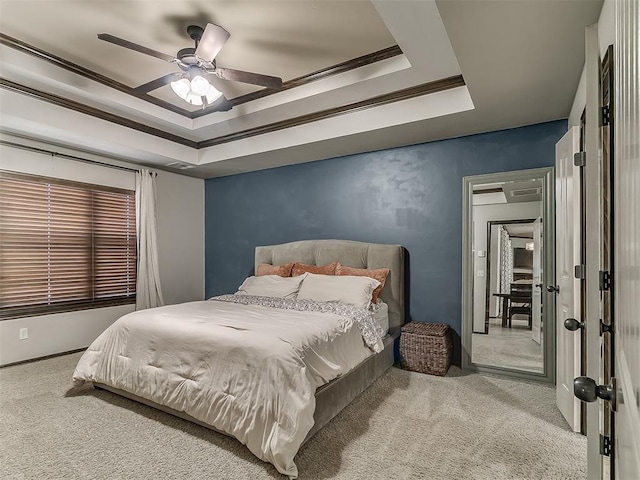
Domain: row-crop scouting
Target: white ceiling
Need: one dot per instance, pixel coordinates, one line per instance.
(521, 61)
(510, 192)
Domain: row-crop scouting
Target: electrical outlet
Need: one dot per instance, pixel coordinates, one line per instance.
(24, 333)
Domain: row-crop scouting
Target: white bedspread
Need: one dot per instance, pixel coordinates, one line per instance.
(248, 370)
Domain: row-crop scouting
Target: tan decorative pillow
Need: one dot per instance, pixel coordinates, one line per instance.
(300, 268)
(280, 270)
(379, 274)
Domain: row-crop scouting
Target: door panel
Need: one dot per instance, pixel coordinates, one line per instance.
(568, 227)
(627, 238)
(593, 219)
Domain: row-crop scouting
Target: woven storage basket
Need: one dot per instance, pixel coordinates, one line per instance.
(426, 348)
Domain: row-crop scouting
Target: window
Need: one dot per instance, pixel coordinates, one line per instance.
(64, 245)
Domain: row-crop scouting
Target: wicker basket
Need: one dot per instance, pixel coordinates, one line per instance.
(426, 348)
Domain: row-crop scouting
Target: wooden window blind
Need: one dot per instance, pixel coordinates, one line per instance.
(64, 245)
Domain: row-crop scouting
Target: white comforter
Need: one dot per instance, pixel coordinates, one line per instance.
(248, 370)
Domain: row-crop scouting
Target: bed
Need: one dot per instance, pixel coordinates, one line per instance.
(283, 433)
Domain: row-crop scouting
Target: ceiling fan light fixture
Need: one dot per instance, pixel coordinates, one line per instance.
(194, 99)
(197, 91)
(182, 88)
(198, 65)
(199, 85)
(212, 94)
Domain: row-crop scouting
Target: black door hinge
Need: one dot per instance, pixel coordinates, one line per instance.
(605, 115)
(605, 328)
(605, 280)
(580, 271)
(580, 159)
(605, 446)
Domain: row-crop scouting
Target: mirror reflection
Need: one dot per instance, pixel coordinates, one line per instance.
(507, 248)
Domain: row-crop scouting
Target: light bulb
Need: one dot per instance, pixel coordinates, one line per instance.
(212, 94)
(194, 99)
(181, 87)
(199, 85)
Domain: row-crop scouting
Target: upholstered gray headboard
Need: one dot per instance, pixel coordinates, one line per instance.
(352, 254)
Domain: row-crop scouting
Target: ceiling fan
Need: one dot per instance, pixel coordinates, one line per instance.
(196, 83)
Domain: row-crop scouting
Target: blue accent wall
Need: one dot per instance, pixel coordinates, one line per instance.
(410, 196)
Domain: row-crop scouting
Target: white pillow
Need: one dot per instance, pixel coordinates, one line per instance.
(340, 289)
(271, 286)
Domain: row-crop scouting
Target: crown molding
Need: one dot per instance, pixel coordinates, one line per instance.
(405, 94)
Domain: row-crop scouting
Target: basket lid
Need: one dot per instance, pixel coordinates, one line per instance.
(423, 328)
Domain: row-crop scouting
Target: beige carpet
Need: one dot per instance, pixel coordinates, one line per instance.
(406, 426)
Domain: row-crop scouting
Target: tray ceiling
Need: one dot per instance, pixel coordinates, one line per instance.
(451, 68)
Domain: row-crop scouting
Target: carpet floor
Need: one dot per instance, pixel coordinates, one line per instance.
(405, 426)
(507, 347)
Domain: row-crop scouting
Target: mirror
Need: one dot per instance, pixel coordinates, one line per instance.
(508, 263)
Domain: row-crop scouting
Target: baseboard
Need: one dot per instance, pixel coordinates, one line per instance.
(46, 357)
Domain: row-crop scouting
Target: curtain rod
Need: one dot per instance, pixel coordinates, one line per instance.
(64, 155)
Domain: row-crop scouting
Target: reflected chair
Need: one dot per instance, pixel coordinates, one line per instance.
(520, 300)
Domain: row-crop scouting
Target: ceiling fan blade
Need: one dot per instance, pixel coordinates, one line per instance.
(134, 46)
(157, 83)
(247, 77)
(212, 41)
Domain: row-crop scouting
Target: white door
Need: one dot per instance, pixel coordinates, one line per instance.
(627, 239)
(536, 304)
(567, 256)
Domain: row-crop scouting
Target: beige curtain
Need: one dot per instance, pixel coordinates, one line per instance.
(148, 289)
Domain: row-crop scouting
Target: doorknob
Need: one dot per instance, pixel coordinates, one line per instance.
(573, 324)
(539, 285)
(552, 289)
(587, 390)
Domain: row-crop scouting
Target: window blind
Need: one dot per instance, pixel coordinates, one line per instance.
(64, 245)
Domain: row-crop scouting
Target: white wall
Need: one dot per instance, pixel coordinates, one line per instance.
(606, 37)
(180, 251)
(481, 215)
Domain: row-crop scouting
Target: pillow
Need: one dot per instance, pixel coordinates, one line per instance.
(379, 274)
(347, 290)
(300, 268)
(271, 286)
(280, 270)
